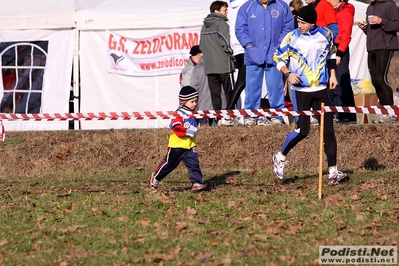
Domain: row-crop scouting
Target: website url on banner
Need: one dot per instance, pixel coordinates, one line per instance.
(358, 254)
(166, 63)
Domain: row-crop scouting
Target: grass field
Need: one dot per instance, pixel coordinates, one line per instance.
(245, 218)
(83, 198)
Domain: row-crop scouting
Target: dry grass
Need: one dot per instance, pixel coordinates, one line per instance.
(82, 198)
(237, 148)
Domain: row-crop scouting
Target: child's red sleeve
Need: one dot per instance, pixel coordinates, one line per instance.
(178, 125)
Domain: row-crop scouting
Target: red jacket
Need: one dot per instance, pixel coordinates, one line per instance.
(345, 15)
(325, 13)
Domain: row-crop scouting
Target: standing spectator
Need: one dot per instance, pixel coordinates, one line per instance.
(185, 75)
(218, 55)
(199, 81)
(343, 94)
(182, 144)
(381, 29)
(325, 15)
(260, 27)
(295, 6)
(238, 51)
(310, 52)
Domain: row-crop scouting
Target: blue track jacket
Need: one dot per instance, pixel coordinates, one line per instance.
(263, 29)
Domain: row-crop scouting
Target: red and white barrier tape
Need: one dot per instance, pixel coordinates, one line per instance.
(385, 109)
(142, 115)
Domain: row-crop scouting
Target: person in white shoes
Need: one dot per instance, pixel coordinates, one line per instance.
(311, 53)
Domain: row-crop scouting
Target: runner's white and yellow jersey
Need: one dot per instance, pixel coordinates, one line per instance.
(307, 55)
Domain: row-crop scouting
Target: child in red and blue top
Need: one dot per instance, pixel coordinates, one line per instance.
(182, 144)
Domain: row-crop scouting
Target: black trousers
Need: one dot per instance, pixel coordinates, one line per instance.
(240, 82)
(343, 94)
(216, 81)
(379, 61)
(303, 101)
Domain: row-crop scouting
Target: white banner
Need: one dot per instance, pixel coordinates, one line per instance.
(162, 54)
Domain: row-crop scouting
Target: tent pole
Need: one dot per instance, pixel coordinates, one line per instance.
(76, 79)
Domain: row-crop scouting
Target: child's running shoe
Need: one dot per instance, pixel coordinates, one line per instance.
(198, 187)
(278, 167)
(337, 177)
(153, 182)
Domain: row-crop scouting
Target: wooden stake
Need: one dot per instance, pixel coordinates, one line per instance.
(321, 151)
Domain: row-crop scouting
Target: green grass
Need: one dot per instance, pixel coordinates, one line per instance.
(113, 218)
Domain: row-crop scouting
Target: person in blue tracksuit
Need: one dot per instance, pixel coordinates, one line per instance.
(260, 27)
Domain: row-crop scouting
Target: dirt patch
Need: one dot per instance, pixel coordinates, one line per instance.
(238, 148)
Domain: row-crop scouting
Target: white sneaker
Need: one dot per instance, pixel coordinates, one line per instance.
(197, 187)
(387, 119)
(275, 121)
(337, 177)
(249, 122)
(240, 121)
(153, 182)
(314, 121)
(278, 167)
(264, 121)
(227, 122)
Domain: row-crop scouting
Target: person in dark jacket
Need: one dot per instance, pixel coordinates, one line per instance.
(199, 81)
(381, 27)
(217, 52)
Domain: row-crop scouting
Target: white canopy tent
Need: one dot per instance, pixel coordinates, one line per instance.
(76, 33)
(126, 93)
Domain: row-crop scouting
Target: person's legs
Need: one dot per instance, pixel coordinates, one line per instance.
(343, 94)
(190, 160)
(253, 92)
(300, 101)
(275, 88)
(378, 62)
(227, 82)
(169, 163)
(330, 142)
(215, 87)
(239, 84)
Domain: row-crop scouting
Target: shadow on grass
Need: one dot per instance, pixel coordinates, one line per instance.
(219, 179)
(373, 164)
(211, 183)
